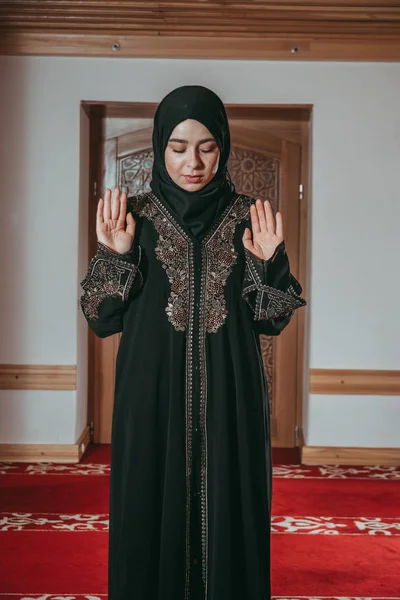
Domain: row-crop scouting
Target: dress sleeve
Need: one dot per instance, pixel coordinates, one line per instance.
(271, 291)
(110, 282)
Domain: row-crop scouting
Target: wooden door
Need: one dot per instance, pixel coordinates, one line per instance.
(265, 166)
(261, 165)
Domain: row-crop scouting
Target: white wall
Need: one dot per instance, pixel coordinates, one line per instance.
(355, 249)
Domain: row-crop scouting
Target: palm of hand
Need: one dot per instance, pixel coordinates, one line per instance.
(266, 234)
(264, 244)
(114, 232)
(114, 227)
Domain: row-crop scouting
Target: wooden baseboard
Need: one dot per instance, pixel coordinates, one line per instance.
(310, 455)
(333, 455)
(55, 453)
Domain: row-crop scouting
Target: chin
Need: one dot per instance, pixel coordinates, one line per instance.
(194, 187)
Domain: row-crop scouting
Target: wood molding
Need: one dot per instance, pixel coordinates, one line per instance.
(322, 381)
(37, 377)
(300, 442)
(291, 48)
(336, 455)
(146, 110)
(368, 18)
(211, 29)
(354, 381)
(37, 453)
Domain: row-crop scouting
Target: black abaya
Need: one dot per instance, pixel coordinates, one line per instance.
(191, 470)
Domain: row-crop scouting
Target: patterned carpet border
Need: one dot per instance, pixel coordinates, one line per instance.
(377, 473)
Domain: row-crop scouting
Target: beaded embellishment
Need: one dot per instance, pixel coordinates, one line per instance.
(108, 275)
(268, 302)
(218, 259)
(172, 250)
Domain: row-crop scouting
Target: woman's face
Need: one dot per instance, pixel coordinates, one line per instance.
(191, 156)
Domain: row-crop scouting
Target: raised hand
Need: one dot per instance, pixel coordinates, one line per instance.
(115, 228)
(266, 235)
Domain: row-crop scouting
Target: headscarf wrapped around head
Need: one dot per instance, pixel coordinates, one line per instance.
(195, 211)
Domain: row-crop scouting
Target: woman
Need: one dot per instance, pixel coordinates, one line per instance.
(190, 285)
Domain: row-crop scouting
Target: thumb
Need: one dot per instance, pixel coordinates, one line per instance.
(130, 225)
(246, 239)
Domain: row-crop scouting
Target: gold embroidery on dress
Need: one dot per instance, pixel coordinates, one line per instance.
(108, 275)
(220, 258)
(172, 250)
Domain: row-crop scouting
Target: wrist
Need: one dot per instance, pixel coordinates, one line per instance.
(113, 250)
(277, 250)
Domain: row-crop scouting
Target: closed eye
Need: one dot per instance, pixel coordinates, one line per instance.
(202, 151)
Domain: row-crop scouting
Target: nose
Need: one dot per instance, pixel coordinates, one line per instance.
(193, 159)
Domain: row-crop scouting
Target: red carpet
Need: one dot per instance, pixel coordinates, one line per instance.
(336, 530)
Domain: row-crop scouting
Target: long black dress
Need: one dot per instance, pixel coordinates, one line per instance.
(191, 470)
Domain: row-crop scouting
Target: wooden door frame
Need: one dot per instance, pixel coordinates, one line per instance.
(301, 114)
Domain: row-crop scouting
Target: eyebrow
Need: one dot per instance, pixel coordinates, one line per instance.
(186, 142)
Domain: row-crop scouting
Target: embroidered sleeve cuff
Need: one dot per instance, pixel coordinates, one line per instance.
(269, 288)
(109, 275)
(270, 303)
(106, 252)
(274, 271)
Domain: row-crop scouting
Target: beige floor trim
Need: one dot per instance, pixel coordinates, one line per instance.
(57, 453)
(332, 455)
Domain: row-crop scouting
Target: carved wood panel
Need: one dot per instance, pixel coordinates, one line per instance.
(258, 176)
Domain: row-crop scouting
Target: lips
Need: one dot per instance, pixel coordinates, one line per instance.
(193, 178)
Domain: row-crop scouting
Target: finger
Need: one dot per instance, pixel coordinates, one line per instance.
(261, 215)
(130, 225)
(115, 205)
(279, 225)
(269, 216)
(255, 224)
(99, 213)
(122, 209)
(247, 234)
(107, 205)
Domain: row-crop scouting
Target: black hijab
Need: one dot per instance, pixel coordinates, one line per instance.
(195, 211)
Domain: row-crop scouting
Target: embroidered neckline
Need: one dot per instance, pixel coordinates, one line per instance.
(189, 237)
(218, 256)
(170, 217)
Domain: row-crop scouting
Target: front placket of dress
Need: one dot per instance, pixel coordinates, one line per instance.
(197, 557)
(180, 255)
(197, 272)
(217, 255)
